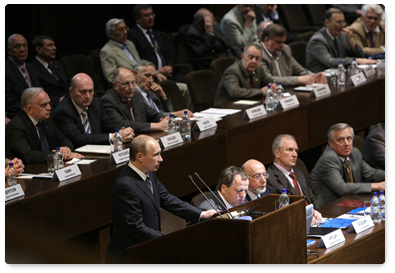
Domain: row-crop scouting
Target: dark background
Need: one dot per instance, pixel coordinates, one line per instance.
(79, 28)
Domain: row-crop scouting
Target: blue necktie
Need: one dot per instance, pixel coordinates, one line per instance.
(85, 122)
(43, 139)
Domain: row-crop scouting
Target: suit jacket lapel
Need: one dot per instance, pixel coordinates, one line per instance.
(283, 180)
(32, 130)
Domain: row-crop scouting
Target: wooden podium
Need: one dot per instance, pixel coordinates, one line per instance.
(278, 237)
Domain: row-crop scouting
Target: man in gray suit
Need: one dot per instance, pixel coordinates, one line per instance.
(341, 169)
(127, 107)
(118, 51)
(231, 190)
(333, 43)
(245, 78)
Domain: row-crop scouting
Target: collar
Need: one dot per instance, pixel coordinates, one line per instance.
(275, 57)
(140, 173)
(228, 206)
(342, 159)
(141, 91)
(367, 31)
(44, 63)
(142, 29)
(122, 46)
(330, 35)
(79, 109)
(35, 121)
(284, 171)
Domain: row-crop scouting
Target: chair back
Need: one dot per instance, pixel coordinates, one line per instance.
(220, 64)
(299, 51)
(173, 92)
(202, 85)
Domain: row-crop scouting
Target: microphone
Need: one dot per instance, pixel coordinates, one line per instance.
(219, 201)
(208, 200)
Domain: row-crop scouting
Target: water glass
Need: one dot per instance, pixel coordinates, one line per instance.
(51, 163)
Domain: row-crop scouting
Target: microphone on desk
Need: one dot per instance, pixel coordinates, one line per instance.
(219, 201)
(208, 200)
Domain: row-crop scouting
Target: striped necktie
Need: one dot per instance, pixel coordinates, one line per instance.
(348, 171)
(152, 103)
(85, 122)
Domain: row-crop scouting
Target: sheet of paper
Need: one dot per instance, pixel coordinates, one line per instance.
(247, 102)
(94, 149)
(81, 161)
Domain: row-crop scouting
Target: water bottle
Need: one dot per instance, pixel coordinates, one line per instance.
(279, 94)
(270, 101)
(116, 144)
(375, 208)
(382, 205)
(341, 74)
(11, 175)
(186, 126)
(172, 125)
(58, 159)
(353, 67)
(284, 199)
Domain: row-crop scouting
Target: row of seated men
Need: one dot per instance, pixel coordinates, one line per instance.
(125, 47)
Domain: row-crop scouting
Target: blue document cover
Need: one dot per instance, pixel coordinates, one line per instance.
(338, 223)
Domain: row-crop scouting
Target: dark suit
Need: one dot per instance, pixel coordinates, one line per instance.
(119, 112)
(328, 177)
(277, 181)
(164, 106)
(55, 89)
(15, 84)
(22, 141)
(69, 122)
(266, 193)
(374, 148)
(136, 214)
(205, 205)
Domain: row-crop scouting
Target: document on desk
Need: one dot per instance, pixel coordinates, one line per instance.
(216, 113)
(94, 149)
(81, 161)
(31, 175)
(247, 102)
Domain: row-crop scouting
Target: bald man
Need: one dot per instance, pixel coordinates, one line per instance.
(257, 177)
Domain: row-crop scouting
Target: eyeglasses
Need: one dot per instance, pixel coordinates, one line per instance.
(258, 176)
(122, 29)
(125, 84)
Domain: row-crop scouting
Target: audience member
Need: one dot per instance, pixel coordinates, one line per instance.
(19, 75)
(127, 107)
(279, 63)
(81, 116)
(239, 25)
(341, 170)
(118, 51)
(206, 38)
(369, 30)
(267, 13)
(50, 72)
(231, 189)
(257, 186)
(333, 43)
(32, 134)
(136, 198)
(245, 78)
(152, 92)
(18, 166)
(351, 11)
(262, 26)
(374, 148)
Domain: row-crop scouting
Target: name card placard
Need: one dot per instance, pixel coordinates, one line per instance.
(288, 103)
(13, 192)
(358, 79)
(369, 71)
(361, 224)
(120, 157)
(331, 239)
(255, 112)
(322, 91)
(205, 124)
(67, 173)
(171, 140)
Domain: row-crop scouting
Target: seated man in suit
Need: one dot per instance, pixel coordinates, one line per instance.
(127, 107)
(32, 134)
(245, 78)
(257, 174)
(231, 190)
(283, 174)
(279, 63)
(333, 43)
(341, 170)
(50, 71)
(374, 147)
(118, 51)
(369, 31)
(81, 116)
(136, 198)
(19, 75)
(152, 92)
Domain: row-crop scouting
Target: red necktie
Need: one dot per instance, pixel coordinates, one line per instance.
(252, 85)
(130, 109)
(296, 185)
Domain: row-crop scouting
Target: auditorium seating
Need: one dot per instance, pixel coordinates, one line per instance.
(220, 64)
(202, 85)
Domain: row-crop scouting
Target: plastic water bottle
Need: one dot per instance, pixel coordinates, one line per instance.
(11, 175)
(270, 101)
(382, 205)
(58, 159)
(279, 94)
(186, 126)
(375, 208)
(172, 125)
(353, 67)
(283, 199)
(341, 74)
(116, 145)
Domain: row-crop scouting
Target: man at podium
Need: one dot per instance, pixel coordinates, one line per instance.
(137, 197)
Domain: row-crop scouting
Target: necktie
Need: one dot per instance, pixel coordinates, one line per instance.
(152, 103)
(43, 139)
(52, 68)
(348, 171)
(336, 47)
(161, 59)
(149, 184)
(26, 76)
(128, 103)
(372, 36)
(85, 122)
(252, 85)
(295, 182)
